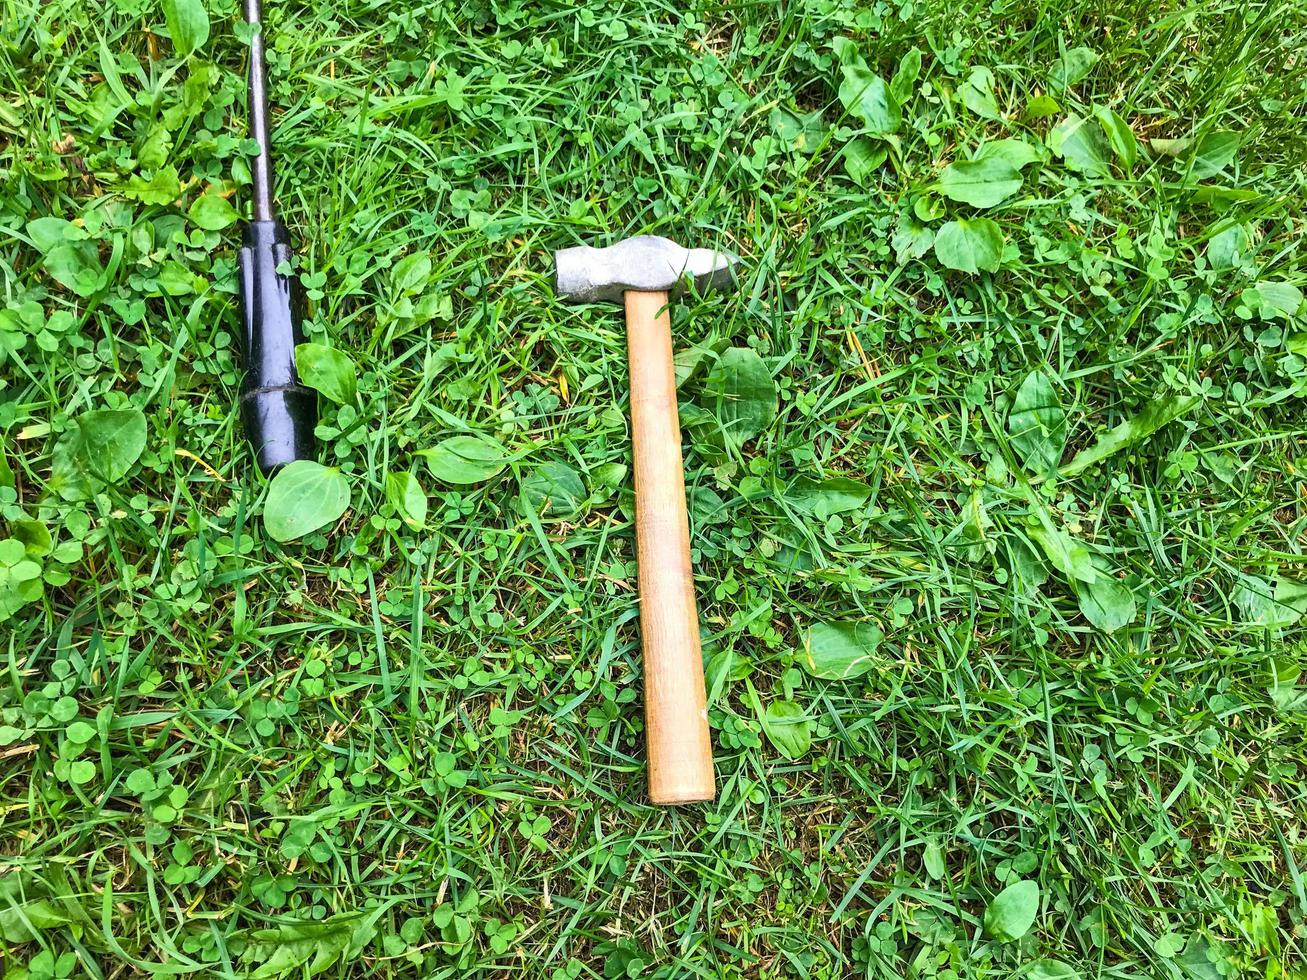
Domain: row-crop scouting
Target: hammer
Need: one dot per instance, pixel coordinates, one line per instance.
(643, 272)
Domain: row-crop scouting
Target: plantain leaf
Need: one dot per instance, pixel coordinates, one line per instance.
(188, 24)
(970, 245)
(746, 394)
(840, 651)
(978, 93)
(1157, 413)
(308, 948)
(982, 183)
(405, 494)
(464, 460)
(303, 497)
(788, 728)
(1012, 912)
(1036, 424)
(327, 370)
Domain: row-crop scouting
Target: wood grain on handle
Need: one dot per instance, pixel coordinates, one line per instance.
(675, 706)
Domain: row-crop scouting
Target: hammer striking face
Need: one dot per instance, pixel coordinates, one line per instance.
(643, 272)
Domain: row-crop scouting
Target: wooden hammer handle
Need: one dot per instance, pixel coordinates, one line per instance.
(675, 706)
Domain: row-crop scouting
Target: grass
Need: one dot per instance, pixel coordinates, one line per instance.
(982, 705)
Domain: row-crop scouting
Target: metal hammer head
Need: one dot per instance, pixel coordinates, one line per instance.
(646, 263)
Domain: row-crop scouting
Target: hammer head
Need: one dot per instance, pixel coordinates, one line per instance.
(646, 263)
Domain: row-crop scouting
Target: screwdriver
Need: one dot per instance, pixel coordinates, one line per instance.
(278, 412)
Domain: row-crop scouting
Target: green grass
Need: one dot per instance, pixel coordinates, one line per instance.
(396, 750)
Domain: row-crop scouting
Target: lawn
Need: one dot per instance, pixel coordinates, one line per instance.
(996, 462)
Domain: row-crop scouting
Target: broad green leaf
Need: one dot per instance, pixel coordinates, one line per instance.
(153, 153)
(1051, 970)
(969, 245)
(846, 51)
(745, 394)
(112, 440)
(20, 580)
(1025, 568)
(687, 363)
(212, 212)
(1012, 912)
(27, 317)
(1106, 602)
(50, 231)
(163, 188)
(1081, 145)
(1214, 153)
(303, 497)
(1157, 413)
(327, 370)
(188, 24)
(1225, 248)
(973, 527)
(978, 93)
(308, 948)
(1200, 962)
(863, 157)
(1220, 197)
(1168, 945)
(911, 239)
(1015, 153)
(405, 494)
(176, 279)
(904, 82)
(411, 273)
(1040, 107)
(824, 498)
(1036, 424)
(1254, 597)
(68, 475)
(81, 772)
(1278, 298)
(799, 133)
(140, 781)
(462, 460)
(1170, 147)
(980, 183)
(26, 909)
(840, 651)
(36, 537)
(1065, 553)
(932, 859)
(16, 592)
(554, 490)
(609, 475)
(865, 94)
(1071, 68)
(1120, 137)
(788, 728)
(23, 571)
(1280, 602)
(928, 207)
(76, 267)
(706, 506)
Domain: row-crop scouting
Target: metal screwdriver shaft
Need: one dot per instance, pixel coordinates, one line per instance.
(278, 412)
(262, 173)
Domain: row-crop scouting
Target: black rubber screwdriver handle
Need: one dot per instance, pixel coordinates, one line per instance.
(279, 413)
